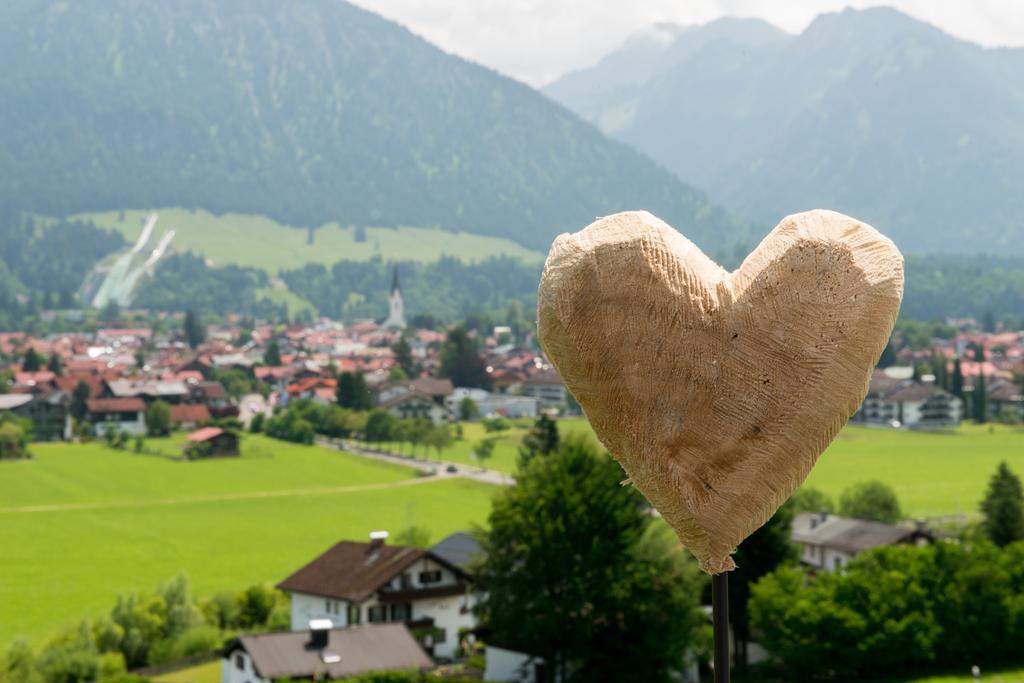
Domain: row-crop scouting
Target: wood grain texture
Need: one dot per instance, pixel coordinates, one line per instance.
(717, 391)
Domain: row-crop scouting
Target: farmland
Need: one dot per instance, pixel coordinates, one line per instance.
(933, 473)
(259, 242)
(82, 523)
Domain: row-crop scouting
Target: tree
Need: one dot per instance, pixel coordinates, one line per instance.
(353, 392)
(542, 439)
(764, 550)
(158, 419)
(956, 382)
(1003, 507)
(404, 359)
(80, 400)
(193, 328)
(438, 437)
(812, 500)
(272, 354)
(484, 450)
(380, 426)
(578, 572)
(54, 365)
(413, 537)
(31, 361)
(979, 400)
(468, 410)
(872, 500)
(14, 437)
(461, 362)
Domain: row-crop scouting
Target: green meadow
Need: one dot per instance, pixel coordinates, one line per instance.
(260, 242)
(933, 473)
(80, 524)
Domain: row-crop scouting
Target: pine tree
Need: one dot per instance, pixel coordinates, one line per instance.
(542, 439)
(54, 365)
(980, 399)
(272, 356)
(956, 382)
(32, 361)
(461, 362)
(1003, 507)
(195, 333)
(79, 400)
(403, 357)
(353, 392)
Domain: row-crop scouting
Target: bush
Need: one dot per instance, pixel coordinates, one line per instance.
(256, 423)
(495, 424)
(905, 608)
(13, 441)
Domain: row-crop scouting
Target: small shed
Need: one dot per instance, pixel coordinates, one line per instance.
(211, 441)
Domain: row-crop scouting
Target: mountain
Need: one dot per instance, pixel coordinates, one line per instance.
(308, 112)
(869, 112)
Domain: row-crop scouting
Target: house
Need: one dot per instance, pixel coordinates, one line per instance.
(437, 389)
(123, 414)
(1005, 399)
(829, 542)
(211, 441)
(894, 399)
(414, 404)
(48, 412)
(322, 653)
(149, 390)
(495, 404)
(189, 416)
(459, 549)
(373, 583)
(511, 666)
(546, 386)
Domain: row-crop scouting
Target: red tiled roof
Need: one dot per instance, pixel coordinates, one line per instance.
(116, 405)
(205, 434)
(190, 413)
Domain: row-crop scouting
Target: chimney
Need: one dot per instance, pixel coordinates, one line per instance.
(319, 632)
(377, 539)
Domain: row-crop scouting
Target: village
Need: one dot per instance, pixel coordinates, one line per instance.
(372, 604)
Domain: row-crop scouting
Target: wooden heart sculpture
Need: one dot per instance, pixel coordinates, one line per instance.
(717, 391)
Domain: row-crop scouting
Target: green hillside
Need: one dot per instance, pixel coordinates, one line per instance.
(307, 111)
(261, 242)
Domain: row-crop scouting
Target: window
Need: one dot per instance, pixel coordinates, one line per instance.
(431, 576)
(377, 614)
(240, 662)
(353, 614)
(440, 635)
(401, 612)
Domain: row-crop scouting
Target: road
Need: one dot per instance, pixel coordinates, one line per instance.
(440, 469)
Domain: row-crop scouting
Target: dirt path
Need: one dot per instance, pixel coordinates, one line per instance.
(248, 495)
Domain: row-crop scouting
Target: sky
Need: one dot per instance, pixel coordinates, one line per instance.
(538, 40)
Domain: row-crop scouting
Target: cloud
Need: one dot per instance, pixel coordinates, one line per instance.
(538, 40)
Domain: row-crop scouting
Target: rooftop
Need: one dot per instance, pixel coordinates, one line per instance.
(354, 650)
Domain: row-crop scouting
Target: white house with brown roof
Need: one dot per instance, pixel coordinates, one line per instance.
(124, 414)
(373, 583)
(829, 542)
(894, 400)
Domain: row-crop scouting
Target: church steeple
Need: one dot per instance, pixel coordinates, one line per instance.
(396, 307)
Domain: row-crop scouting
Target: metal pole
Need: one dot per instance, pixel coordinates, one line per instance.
(720, 619)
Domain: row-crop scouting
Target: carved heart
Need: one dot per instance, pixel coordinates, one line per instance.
(717, 391)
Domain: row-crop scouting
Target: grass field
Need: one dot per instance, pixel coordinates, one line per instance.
(81, 524)
(933, 474)
(204, 673)
(1007, 676)
(257, 241)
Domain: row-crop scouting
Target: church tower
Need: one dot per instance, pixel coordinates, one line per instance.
(396, 309)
